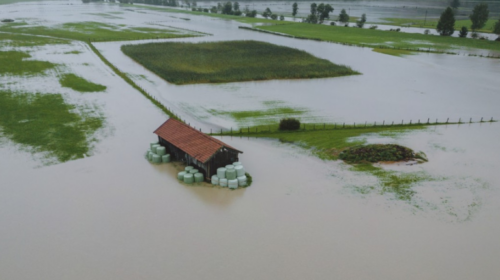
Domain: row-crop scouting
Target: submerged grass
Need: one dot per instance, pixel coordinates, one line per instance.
(378, 38)
(23, 40)
(266, 116)
(221, 62)
(79, 84)
(394, 52)
(91, 31)
(47, 124)
(15, 63)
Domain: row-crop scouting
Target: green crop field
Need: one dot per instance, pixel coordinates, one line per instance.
(79, 84)
(16, 63)
(379, 38)
(221, 62)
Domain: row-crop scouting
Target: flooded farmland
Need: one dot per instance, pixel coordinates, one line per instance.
(112, 215)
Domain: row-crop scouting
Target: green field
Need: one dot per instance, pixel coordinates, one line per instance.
(92, 31)
(17, 63)
(379, 38)
(79, 84)
(222, 62)
(22, 40)
(47, 124)
(432, 23)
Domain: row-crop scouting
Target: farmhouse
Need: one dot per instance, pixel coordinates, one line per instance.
(195, 148)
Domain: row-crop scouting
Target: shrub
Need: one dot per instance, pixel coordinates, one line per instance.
(427, 32)
(463, 32)
(289, 124)
(332, 23)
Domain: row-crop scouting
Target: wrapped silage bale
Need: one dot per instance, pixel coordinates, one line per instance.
(215, 180)
(198, 177)
(156, 159)
(193, 171)
(223, 182)
(153, 143)
(229, 166)
(187, 168)
(188, 178)
(150, 155)
(232, 184)
(161, 151)
(240, 171)
(165, 158)
(180, 175)
(236, 163)
(221, 172)
(242, 181)
(154, 147)
(231, 174)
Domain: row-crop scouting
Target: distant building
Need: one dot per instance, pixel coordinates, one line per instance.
(195, 148)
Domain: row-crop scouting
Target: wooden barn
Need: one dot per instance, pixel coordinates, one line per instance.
(195, 148)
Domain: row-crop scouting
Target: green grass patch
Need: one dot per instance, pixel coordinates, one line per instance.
(394, 52)
(432, 23)
(73, 52)
(222, 62)
(79, 84)
(379, 38)
(15, 63)
(93, 31)
(22, 40)
(47, 124)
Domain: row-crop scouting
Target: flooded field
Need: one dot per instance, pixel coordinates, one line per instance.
(112, 215)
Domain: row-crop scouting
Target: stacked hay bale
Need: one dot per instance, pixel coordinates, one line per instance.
(190, 175)
(232, 176)
(157, 153)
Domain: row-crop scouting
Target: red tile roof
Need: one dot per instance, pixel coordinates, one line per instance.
(193, 142)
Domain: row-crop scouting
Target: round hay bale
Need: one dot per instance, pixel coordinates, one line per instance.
(215, 180)
(223, 182)
(161, 151)
(180, 175)
(156, 159)
(242, 181)
(198, 177)
(187, 168)
(154, 147)
(221, 172)
(153, 143)
(229, 166)
(165, 158)
(240, 171)
(232, 184)
(236, 163)
(150, 155)
(231, 174)
(188, 178)
(193, 171)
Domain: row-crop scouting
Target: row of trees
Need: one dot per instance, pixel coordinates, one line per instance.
(478, 17)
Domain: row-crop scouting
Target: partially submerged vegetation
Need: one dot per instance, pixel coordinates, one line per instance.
(17, 63)
(377, 152)
(48, 124)
(221, 62)
(79, 84)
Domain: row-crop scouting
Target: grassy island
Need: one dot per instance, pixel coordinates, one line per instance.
(377, 152)
(222, 62)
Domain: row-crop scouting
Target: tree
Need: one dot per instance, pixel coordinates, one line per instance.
(479, 16)
(324, 11)
(360, 23)
(267, 13)
(463, 32)
(343, 16)
(314, 9)
(282, 17)
(311, 19)
(446, 24)
(251, 14)
(496, 29)
(213, 10)
(294, 9)
(227, 9)
(274, 16)
(455, 4)
(236, 6)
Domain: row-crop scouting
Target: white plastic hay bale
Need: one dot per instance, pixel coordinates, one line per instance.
(198, 177)
(229, 166)
(187, 168)
(180, 175)
(215, 180)
(223, 182)
(156, 159)
(221, 172)
(231, 174)
(150, 155)
(242, 181)
(236, 163)
(193, 171)
(232, 184)
(188, 178)
(154, 147)
(153, 143)
(165, 158)
(240, 171)
(161, 151)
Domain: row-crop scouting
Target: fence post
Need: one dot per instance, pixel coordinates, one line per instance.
(459, 120)
(365, 124)
(324, 126)
(470, 121)
(481, 119)
(428, 119)
(221, 131)
(491, 119)
(392, 123)
(231, 131)
(343, 126)
(402, 122)
(354, 125)
(447, 120)
(375, 124)
(383, 123)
